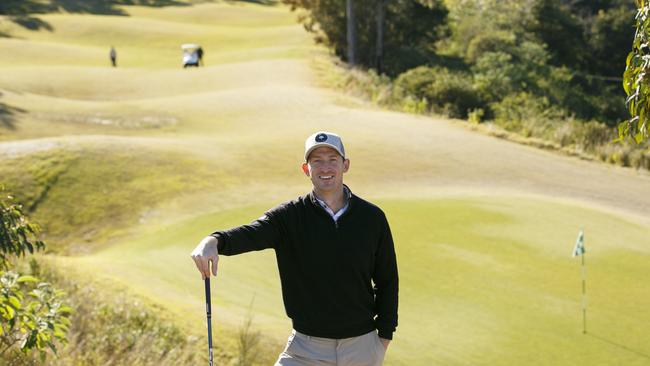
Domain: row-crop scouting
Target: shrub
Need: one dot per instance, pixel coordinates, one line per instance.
(585, 136)
(17, 234)
(495, 76)
(32, 313)
(412, 105)
(528, 115)
(475, 116)
(377, 88)
(446, 91)
(415, 81)
(497, 41)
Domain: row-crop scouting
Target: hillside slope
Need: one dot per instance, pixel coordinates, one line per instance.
(128, 168)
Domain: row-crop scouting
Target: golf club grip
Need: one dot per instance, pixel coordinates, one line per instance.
(208, 313)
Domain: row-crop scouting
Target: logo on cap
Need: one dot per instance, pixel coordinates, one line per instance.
(321, 137)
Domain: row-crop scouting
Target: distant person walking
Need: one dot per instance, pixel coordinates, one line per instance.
(337, 264)
(199, 53)
(113, 55)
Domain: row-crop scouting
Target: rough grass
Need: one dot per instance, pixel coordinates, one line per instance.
(111, 326)
(86, 193)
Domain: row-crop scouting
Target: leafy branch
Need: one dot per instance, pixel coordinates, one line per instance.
(32, 313)
(17, 234)
(635, 79)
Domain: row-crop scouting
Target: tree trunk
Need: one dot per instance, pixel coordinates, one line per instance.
(379, 49)
(352, 37)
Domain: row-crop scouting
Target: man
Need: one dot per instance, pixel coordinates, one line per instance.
(199, 54)
(331, 246)
(113, 55)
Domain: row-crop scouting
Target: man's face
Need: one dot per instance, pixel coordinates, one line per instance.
(325, 168)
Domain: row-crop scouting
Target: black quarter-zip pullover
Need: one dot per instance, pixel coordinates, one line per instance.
(327, 268)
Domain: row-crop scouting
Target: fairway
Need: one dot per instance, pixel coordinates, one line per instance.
(484, 280)
(128, 168)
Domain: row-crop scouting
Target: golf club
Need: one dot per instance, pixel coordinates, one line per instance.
(208, 313)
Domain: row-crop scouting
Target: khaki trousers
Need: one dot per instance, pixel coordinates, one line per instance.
(303, 350)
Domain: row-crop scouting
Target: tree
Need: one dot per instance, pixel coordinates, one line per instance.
(351, 32)
(555, 24)
(635, 80)
(379, 48)
(407, 39)
(608, 32)
(582, 38)
(591, 36)
(33, 315)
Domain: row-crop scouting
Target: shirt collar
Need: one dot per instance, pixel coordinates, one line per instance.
(347, 195)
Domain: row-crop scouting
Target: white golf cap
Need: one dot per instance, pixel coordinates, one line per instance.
(324, 138)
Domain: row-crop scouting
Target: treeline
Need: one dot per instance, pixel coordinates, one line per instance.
(550, 69)
(571, 52)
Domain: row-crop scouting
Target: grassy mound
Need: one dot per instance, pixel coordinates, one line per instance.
(129, 168)
(83, 193)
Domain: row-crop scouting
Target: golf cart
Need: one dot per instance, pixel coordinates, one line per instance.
(192, 54)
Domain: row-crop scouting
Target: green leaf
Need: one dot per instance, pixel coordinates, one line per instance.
(31, 325)
(40, 341)
(27, 278)
(638, 137)
(11, 313)
(622, 129)
(14, 302)
(65, 310)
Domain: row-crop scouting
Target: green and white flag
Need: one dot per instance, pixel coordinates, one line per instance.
(579, 249)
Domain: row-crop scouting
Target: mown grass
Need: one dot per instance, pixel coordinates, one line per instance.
(152, 38)
(484, 280)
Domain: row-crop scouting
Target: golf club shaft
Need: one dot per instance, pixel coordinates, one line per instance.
(208, 312)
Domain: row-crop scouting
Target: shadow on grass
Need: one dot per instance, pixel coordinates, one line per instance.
(8, 115)
(108, 7)
(23, 12)
(32, 23)
(621, 346)
(258, 2)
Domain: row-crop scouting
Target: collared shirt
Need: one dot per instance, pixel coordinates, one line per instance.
(339, 213)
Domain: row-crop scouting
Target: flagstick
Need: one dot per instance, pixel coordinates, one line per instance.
(579, 249)
(584, 296)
